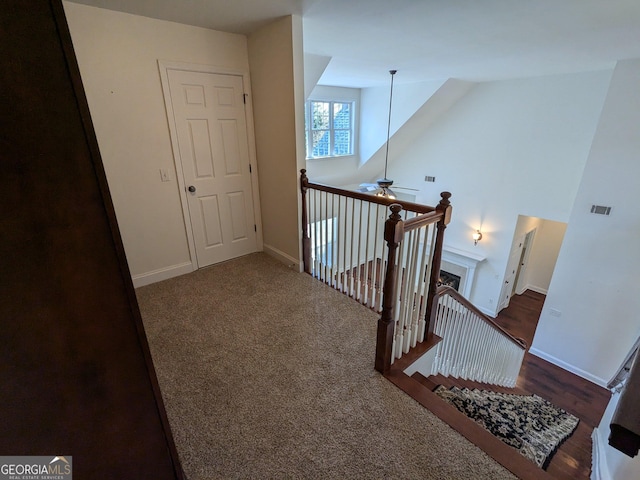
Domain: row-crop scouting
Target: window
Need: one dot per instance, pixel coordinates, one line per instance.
(329, 128)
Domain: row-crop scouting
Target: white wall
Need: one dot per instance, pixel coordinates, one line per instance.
(505, 149)
(314, 66)
(276, 60)
(407, 99)
(367, 165)
(542, 252)
(117, 54)
(596, 281)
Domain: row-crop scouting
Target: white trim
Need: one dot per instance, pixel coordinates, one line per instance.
(163, 274)
(567, 366)
(282, 257)
(163, 67)
(477, 258)
(251, 140)
(488, 312)
(197, 67)
(466, 263)
(423, 364)
(599, 467)
(529, 239)
(533, 288)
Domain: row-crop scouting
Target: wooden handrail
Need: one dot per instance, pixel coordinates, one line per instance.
(395, 229)
(367, 197)
(447, 290)
(390, 343)
(422, 221)
(394, 232)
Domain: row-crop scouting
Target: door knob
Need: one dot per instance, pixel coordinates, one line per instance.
(192, 189)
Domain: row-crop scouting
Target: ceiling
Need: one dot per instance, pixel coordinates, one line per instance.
(428, 39)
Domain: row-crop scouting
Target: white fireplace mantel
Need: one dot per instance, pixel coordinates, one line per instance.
(462, 263)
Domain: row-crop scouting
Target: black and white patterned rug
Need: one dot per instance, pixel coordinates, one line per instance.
(528, 423)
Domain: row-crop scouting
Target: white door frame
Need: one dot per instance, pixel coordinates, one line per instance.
(529, 237)
(163, 67)
(507, 288)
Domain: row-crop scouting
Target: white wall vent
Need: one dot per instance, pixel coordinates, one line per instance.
(600, 210)
(429, 178)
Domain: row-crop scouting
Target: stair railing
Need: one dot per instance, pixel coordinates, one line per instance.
(343, 238)
(389, 264)
(411, 280)
(473, 346)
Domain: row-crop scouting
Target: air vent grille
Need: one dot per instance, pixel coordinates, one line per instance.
(429, 178)
(600, 210)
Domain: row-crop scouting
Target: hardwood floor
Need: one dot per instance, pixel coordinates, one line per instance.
(574, 394)
(521, 317)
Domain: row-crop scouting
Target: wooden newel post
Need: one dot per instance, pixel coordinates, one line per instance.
(445, 207)
(306, 241)
(393, 233)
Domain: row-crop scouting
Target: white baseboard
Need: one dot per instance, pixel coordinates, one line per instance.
(599, 468)
(533, 288)
(162, 274)
(568, 367)
(488, 312)
(282, 257)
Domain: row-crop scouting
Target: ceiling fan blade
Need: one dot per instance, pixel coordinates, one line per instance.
(367, 187)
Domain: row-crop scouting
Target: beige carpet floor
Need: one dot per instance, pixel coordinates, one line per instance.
(268, 373)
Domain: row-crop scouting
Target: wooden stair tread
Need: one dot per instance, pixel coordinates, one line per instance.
(482, 438)
(426, 381)
(450, 382)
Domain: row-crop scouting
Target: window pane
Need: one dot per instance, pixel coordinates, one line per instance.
(343, 142)
(341, 115)
(329, 128)
(320, 146)
(319, 115)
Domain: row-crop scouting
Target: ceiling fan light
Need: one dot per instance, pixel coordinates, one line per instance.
(384, 190)
(386, 193)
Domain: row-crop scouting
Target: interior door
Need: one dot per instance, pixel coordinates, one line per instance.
(512, 268)
(211, 131)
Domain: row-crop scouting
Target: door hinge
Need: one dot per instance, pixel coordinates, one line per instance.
(244, 98)
(255, 228)
(250, 169)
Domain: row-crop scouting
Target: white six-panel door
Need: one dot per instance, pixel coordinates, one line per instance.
(211, 132)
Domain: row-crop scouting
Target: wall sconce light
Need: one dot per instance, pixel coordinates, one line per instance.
(477, 236)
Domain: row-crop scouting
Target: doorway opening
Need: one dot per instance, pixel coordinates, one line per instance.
(532, 259)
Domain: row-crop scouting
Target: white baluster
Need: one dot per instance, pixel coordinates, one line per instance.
(473, 349)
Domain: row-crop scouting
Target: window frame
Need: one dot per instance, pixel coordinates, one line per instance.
(332, 130)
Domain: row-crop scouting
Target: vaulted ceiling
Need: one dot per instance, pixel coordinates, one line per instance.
(428, 39)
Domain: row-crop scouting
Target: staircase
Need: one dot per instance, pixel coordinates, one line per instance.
(386, 255)
(574, 394)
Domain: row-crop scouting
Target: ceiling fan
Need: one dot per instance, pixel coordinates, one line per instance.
(382, 186)
(371, 187)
